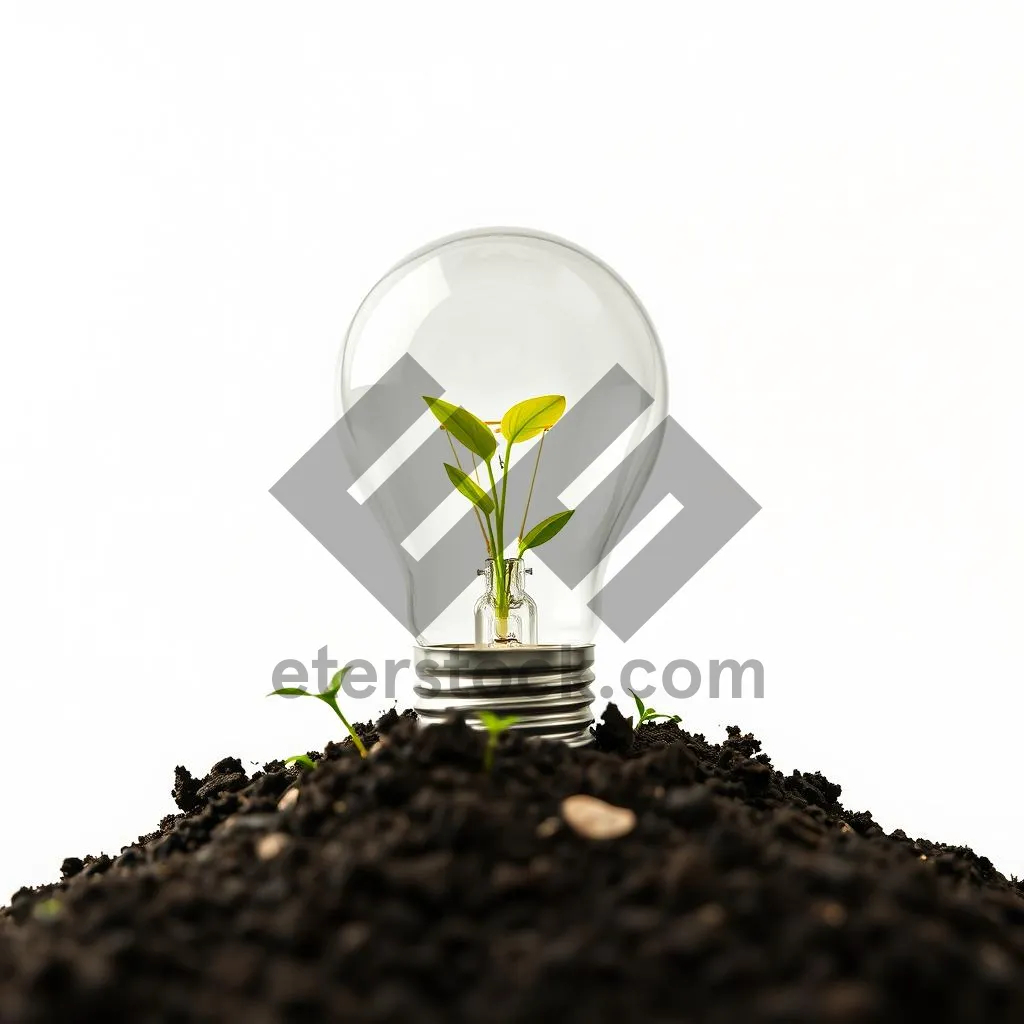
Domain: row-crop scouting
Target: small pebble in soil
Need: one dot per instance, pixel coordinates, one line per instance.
(288, 800)
(594, 819)
(271, 845)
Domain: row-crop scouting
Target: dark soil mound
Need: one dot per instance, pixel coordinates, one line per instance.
(414, 887)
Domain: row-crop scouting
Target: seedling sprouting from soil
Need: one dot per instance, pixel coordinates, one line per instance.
(302, 760)
(495, 726)
(647, 714)
(522, 422)
(330, 698)
(48, 910)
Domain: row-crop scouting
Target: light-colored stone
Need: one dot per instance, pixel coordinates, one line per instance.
(247, 823)
(288, 800)
(271, 845)
(594, 819)
(548, 827)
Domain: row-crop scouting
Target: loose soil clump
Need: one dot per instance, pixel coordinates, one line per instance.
(699, 885)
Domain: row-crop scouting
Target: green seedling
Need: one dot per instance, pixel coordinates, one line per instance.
(524, 421)
(303, 760)
(48, 910)
(330, 698)
(495, 726)
(647, 714)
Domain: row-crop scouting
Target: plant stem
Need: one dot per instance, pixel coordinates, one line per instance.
(499, 553)
(344, 721)
(504, 480)
(504, 503)
(476, 511)
(533, 480)
(490, 530)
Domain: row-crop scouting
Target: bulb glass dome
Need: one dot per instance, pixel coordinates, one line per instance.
(497, 316)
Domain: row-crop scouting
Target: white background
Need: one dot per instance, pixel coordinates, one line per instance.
(821, 206)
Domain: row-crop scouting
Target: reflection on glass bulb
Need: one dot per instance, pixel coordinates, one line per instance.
(497, 316)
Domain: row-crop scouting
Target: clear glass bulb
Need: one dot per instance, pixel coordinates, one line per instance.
(496, 316)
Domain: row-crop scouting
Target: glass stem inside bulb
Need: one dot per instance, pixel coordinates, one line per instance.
(501, 602)
(505, 614)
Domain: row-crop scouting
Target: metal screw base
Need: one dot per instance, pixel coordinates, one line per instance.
(545, 685)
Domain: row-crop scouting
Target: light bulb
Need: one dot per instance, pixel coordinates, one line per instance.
(490, 318)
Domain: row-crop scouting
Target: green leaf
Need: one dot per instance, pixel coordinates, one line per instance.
(335, 684)
(291, 691)
(639, 707)
(48, 910)
(301, 759)
(496, 724)
(544, 531)
(464, 427)
(466, 485)
(530, 418)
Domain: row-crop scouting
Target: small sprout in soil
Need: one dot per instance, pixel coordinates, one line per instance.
(495, 726)
(302, 760)
(48, 909)
(330, 698)
(647, 714)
